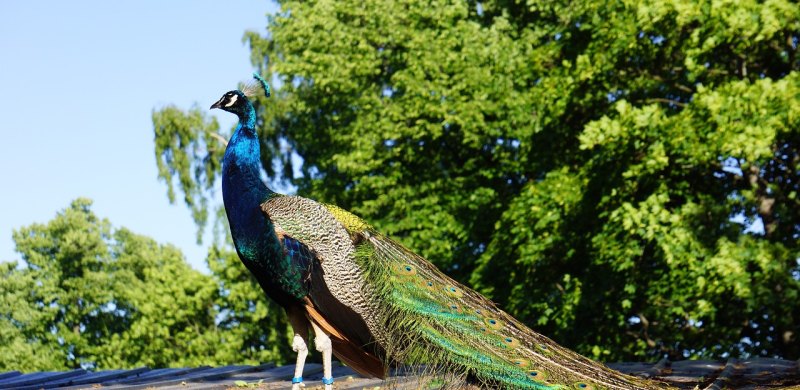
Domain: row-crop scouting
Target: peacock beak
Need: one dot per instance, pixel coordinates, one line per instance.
(219, 103)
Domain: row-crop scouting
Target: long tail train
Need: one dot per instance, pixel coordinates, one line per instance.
(433, 320)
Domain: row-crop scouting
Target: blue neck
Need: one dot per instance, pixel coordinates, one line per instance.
(253, 232)
(243, 191)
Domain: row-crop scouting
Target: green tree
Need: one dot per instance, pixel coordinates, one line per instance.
(92, 296)
(644, 240)
(601, 169)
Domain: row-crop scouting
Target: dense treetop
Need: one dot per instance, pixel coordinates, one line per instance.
(89, 295)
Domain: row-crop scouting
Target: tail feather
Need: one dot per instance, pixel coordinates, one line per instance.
(433, 320)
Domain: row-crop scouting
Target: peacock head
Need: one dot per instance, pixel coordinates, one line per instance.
(232, 101)
(237, 101)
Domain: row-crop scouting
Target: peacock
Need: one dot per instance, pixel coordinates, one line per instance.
(371, 301)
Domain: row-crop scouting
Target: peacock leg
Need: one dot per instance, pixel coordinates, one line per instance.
(323, 344)
(300, 327)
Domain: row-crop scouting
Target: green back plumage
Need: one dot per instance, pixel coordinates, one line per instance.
(434, 321)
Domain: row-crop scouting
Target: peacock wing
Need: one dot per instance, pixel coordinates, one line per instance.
(337, 299)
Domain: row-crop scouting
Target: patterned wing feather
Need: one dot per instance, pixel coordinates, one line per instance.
(337, 287)
(346, 348)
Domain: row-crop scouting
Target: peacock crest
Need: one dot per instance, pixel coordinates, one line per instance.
(256, 88)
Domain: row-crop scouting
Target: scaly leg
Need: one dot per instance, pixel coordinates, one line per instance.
(300, 327)
(323, 344)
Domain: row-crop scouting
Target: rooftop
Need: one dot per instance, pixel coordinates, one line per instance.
(687, 374)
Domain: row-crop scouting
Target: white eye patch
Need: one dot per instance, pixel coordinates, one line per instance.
(232, 101)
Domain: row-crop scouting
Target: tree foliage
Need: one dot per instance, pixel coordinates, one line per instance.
(182, 140)
(603, 170)
(92, 296)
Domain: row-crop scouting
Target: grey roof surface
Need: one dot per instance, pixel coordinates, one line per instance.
(688, 374)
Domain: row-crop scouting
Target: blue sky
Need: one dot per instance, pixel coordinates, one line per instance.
(78, 83)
